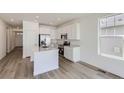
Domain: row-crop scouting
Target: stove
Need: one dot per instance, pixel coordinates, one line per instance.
(61, 50)
(61, 47)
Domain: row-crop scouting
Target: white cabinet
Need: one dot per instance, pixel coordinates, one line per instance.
(61, 31)
(110, 21)
(58, 34)
(72, 30)
(68, 53)
(45, 61)
(48, 30)
(44, 30)
(119, 19)
(53, 34)
(64, 30)
(75, 31)
(103, 23)
(72, 53)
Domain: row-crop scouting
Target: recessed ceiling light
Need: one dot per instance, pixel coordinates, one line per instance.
(37, 17)
(11, 19)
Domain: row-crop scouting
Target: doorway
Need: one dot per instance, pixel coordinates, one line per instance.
(18, 39)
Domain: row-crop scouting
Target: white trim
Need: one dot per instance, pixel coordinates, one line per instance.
(112, 36)
(112, 56)
(107, 36)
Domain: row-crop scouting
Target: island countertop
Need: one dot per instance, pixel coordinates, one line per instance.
(45, 59)
(47, 49)
(40, 49)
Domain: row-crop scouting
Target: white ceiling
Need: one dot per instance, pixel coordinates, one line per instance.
(44, 18)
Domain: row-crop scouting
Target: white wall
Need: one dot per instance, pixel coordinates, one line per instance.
(2, 39)
(30, 38)
(10, 39)
(89, 47)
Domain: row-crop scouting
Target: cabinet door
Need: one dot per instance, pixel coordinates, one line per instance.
(53, 34)
(69, 31)
(119, 19)
(48, 30)
(58, 33)
(68, 53)
(103, 23)
(64, 30)
(74, 31)
(44, 30)
(110, 21)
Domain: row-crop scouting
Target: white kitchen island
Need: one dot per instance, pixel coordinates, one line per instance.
(46, 59)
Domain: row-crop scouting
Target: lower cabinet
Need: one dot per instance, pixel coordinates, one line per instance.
(72, 53)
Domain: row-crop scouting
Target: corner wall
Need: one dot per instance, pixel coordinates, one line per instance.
(2, 39)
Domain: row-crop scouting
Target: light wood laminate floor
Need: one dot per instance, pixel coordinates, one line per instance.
(14, 67)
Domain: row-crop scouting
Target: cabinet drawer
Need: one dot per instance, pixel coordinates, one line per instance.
(103, 23)
(119, 19)
(110, 21)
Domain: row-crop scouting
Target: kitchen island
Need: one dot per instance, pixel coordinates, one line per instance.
(46, 59)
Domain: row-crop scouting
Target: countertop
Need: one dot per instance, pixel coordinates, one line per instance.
(47, 49)
(40, 49)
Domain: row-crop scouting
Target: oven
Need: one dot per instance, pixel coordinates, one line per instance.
(61, 50)
(61, 47)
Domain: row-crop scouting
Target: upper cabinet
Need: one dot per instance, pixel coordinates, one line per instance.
(119, 19)
(58, 34)
(48, 30)
(72, 30)
(75, 31)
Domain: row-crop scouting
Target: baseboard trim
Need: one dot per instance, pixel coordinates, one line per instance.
(99, 69)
